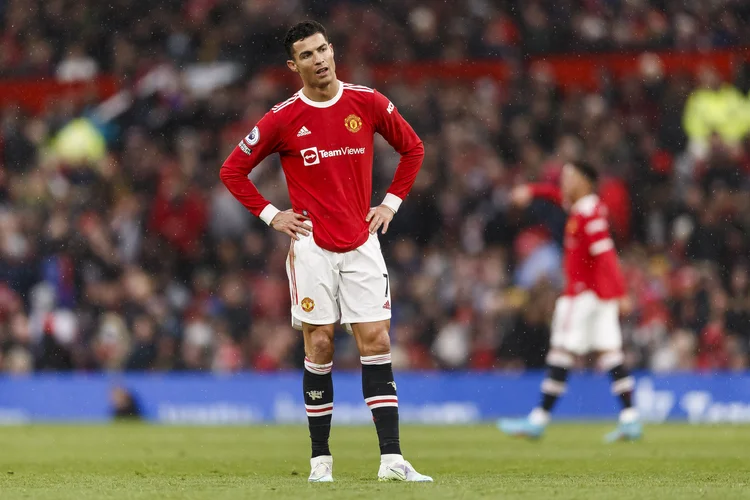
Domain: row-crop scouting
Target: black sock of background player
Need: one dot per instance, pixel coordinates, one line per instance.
(622, 385)
(553, 386)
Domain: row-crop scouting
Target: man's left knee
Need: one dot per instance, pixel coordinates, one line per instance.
(375, 340)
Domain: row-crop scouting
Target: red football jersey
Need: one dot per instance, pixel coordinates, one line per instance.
(590, 257)
(326, 151)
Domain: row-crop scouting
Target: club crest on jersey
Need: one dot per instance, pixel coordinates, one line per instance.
(307, 304)
(353, 123)
(571, 226)
(253, 137)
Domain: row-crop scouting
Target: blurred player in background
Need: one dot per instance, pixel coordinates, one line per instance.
(586, 317)
(324, 136)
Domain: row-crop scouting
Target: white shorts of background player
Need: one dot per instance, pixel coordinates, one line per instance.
(326, 287)
(585, 323)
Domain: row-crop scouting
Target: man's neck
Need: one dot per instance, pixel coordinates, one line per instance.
(322, 94)
(574, 198)
(578, 197)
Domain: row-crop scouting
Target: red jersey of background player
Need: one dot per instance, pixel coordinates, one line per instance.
(326, 151)
(590, 256)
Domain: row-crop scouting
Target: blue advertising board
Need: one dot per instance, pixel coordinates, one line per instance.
(424, 397)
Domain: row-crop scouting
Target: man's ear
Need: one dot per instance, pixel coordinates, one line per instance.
(292, 65)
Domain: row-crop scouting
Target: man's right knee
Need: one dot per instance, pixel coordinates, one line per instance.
(319, 343)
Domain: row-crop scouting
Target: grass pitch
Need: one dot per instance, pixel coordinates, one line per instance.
(158, 462)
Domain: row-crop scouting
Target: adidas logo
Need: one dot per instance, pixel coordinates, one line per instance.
(303, 131)
(387, 305)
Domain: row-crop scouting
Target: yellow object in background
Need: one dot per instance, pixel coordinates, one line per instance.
(79, 142)
(723, 110)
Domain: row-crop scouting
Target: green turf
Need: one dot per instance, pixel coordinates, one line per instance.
(154, 462)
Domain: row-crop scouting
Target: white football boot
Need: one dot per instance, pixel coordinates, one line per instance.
(395, 468)
(321, 469)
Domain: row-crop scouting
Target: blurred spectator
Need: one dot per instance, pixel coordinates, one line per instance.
(526, 345)
(128, 35)
(715, 108)
(76, 65)
(143, 352)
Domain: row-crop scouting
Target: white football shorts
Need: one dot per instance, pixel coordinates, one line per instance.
(586, 323)
(326, 287)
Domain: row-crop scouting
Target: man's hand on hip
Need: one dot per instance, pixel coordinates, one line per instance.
(379, 216)
(291, 223)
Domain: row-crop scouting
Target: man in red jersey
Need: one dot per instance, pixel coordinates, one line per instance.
(586, 317)
(324, 135)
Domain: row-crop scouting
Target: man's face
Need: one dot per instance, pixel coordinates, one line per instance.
(570, 183)
(313, 60)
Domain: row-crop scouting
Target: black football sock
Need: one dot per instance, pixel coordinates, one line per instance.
(553, 386)
(379, 390)
(622, 385)
(317, 384)
(555, 383)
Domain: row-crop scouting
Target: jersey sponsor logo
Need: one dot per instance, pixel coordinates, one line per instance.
(307, 304)
(245, 149)
(253, 137)
(353, 123)
(303, 132)
(390, 107)
(341, 152)
(312, 156)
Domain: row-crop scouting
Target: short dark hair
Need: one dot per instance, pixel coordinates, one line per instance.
(300, 31)
(588, 170)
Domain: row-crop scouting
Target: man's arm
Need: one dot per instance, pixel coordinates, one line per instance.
(548, 192)
(523, 194)
(391, 125)
(601, 247)
(254, 148)
(262, 141)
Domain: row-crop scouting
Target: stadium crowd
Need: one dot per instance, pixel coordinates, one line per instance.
(76, 39)
(135, 257)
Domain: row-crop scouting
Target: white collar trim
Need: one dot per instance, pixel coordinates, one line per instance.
(323, 104)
